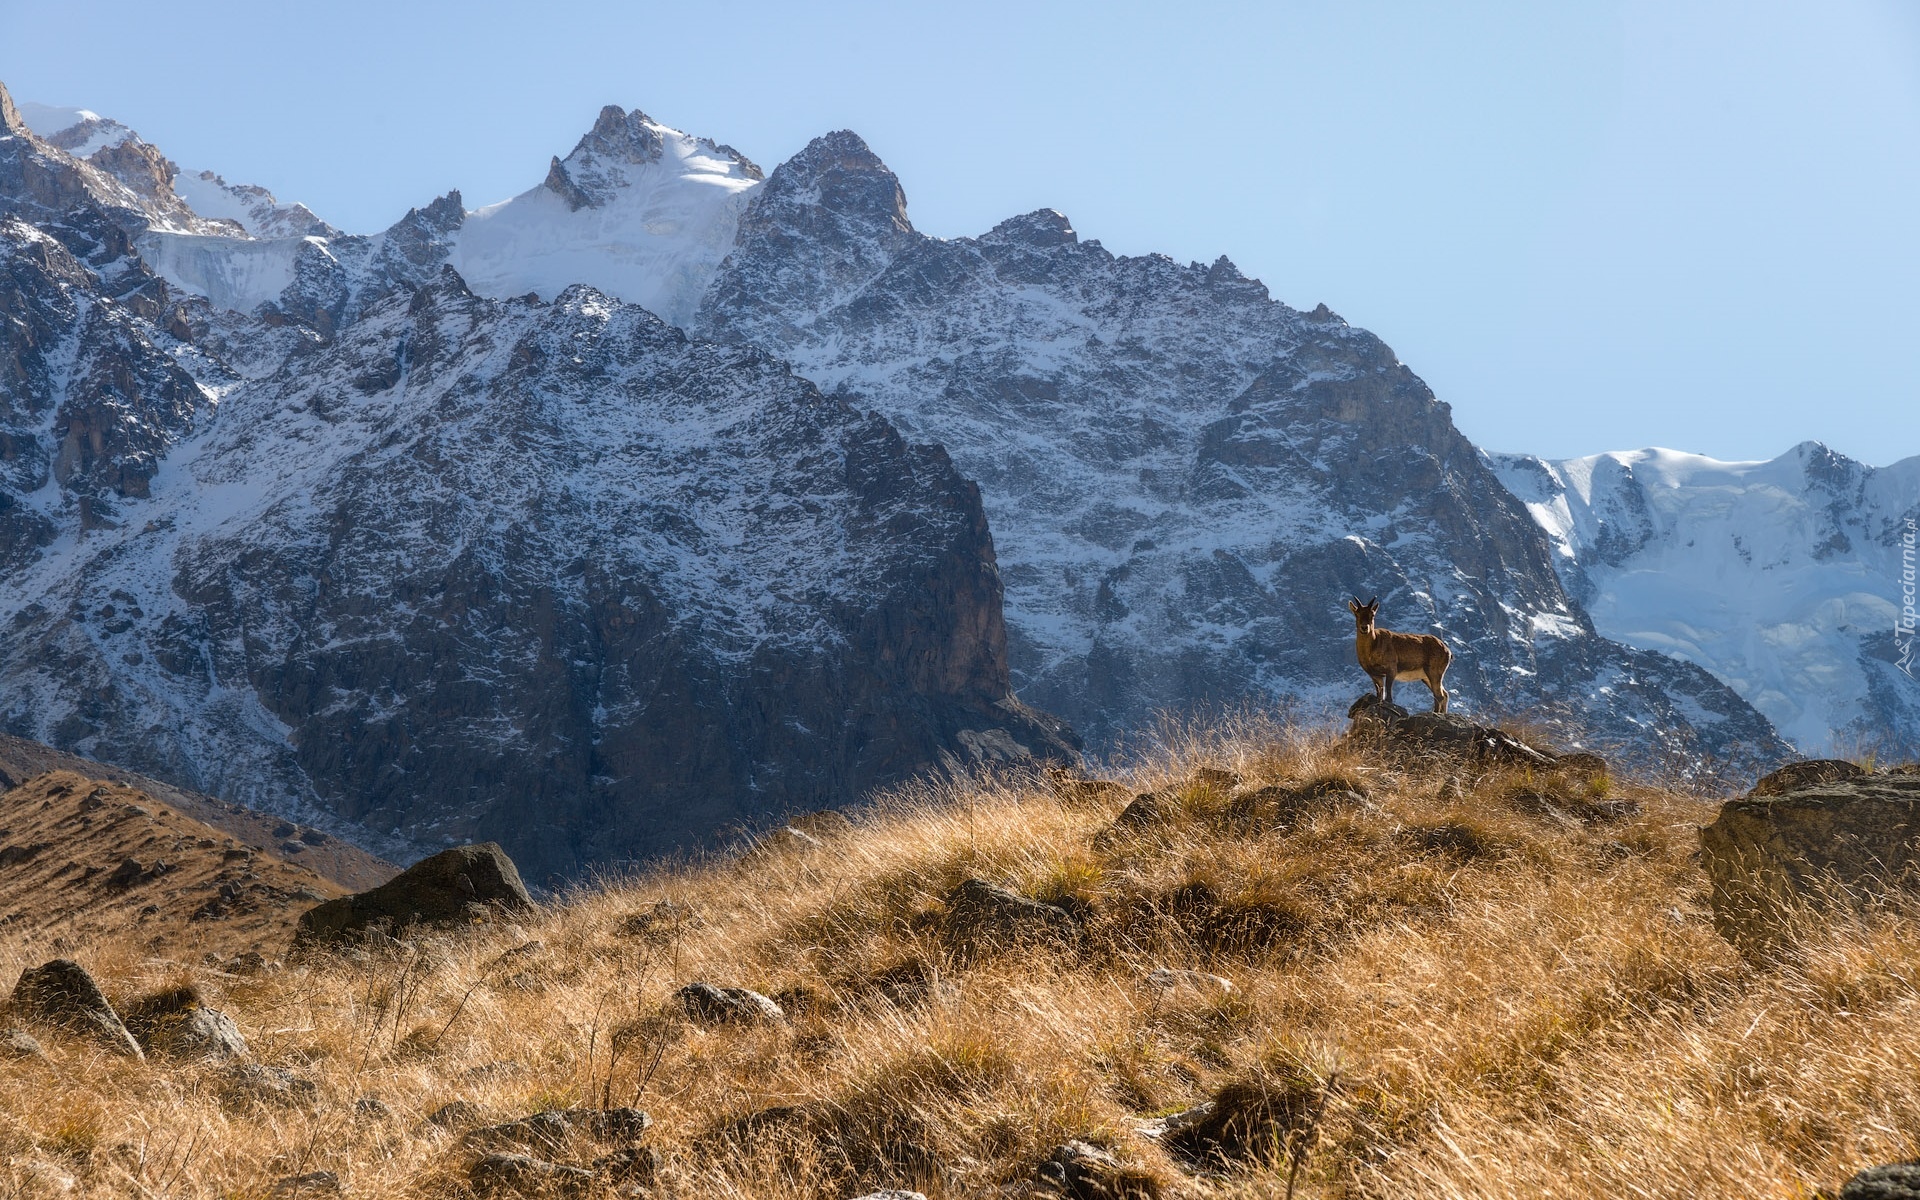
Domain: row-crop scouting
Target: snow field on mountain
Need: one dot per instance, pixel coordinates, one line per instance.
(1765, 573)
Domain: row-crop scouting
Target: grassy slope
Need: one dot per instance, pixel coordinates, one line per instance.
(1508, 1005)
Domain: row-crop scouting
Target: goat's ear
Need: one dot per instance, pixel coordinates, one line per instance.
(1353, 606)
(1374, 604)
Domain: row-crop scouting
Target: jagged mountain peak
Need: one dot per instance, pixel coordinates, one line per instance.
(617, 152)
(11, 122)
(640, 210)
(1042, 227)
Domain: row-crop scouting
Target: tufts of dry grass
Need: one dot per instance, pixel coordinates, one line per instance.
(1497, 985)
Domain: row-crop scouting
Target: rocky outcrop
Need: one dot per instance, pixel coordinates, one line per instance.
(441, 890)
(1774, 858)
(1379, 725)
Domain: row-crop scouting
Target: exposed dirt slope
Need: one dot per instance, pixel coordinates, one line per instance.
(84, 860)
(342, 862)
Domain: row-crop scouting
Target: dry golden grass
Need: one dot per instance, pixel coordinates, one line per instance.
(1514, 992)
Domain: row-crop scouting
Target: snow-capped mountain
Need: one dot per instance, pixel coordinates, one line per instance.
(547, 573)
(1185, 477)
(637, 209)
(1781, 577)
(437, 533)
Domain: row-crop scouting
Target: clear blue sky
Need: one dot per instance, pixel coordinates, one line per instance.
(1589, 226)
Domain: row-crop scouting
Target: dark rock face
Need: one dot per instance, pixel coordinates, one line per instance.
(1853, 842)
(61, 994)
(1186, 479)
(436, 891)
(88, 400)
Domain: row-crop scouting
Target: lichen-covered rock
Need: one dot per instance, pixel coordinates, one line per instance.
(982, 916)
(1853, 843)
(711, 1004)
(1806, 773)
(1895, 1181)
(243, 1087)
(1392, 729)
(1078, 1170)
(435, 891)
(62, 995)
(177, 1023)
(18, 1043)
(514, 1175)
(308, 1186)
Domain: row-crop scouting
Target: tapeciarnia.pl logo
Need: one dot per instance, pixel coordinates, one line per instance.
(1903, 625)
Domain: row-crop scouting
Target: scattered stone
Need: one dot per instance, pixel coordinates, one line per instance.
(206, 1034)
(505, 1175)
(313, 1183)
(824, 824)
(1849, 844)
(63, 995)
(1243, 1119)
(555, 1129)
(710, 1004)
(522, 952)
(433, 891)
(782, 840)
(1073, 787)
(981, 916)
(633, 1165)
(1580, 762)
(658, 924)
(177, 1023)
(1081, 1171)
(40, 1178)
(892, 1194)
(1451, 790)
(250, 963)
(1895, 1181)
(455, 1114)
(1172, 980)
(372, 1108)
(14, 855)
(18, 1043)
(244, 1086)
(1148, 810)
(1810, 773)
(1215, 779)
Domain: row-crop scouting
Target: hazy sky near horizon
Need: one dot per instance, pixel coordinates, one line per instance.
(1589, 227)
